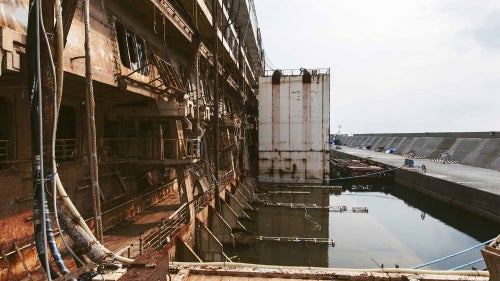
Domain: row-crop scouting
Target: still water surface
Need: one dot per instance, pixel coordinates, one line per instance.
(401, 228)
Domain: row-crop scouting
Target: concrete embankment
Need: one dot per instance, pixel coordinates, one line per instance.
(475, 190)
(478, 149)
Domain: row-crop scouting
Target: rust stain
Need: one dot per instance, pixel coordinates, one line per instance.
(14, 15)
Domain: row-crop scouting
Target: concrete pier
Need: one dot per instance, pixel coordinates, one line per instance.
(478, 149)
(473, 189)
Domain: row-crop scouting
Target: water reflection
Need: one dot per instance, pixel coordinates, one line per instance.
(401, 228)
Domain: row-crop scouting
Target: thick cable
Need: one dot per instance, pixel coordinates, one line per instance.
(467, 264)
(59, 52)
(92, 147)
(452, 255)
(40, 191)
(50, 232)
(69, 204)
(56, 255)
(58, 74)
(81, 222)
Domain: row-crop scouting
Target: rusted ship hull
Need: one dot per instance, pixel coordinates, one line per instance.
(172, 121)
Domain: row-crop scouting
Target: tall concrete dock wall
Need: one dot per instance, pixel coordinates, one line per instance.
(294, 123)
(478, 149)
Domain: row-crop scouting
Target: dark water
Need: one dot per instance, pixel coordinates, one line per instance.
(401, 227)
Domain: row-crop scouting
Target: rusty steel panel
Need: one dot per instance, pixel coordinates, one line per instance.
(14, 15)
(102, 45)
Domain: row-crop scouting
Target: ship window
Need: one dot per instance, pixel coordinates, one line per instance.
(66, 123)
(66, 142)
(132, 49)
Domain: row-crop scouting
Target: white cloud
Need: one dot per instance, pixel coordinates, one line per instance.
(397, 66)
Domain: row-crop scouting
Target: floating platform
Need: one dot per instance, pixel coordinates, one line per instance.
(290, 192)
(336, 209)
(306, 186)
(329, 242)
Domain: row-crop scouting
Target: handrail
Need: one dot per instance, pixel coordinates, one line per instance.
(168, 227)
(297, 72)
(113, 149)
(66, 149)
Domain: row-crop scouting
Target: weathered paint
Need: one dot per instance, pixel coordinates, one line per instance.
(245, 272)
(294, 124)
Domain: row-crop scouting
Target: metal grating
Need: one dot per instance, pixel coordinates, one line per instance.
(168, 75)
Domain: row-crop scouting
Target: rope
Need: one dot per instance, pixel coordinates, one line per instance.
(467, 264)
(94, 169)
(316, 226)
(452, 255)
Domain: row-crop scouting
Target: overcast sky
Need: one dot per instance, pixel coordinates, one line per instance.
(397, 65)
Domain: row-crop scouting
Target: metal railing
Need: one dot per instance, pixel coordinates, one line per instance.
(295, 72)
(225, 178)
(65, 149)
(122, 148)
(4, 150)
(203, 200)
(167, 228)
(181, 149)
(148, 149)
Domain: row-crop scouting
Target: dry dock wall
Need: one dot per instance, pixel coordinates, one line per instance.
(472, 200)
(478, 149)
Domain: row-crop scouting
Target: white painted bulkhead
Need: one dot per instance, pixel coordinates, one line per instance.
(294, 125)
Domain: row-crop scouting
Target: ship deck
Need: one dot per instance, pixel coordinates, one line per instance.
(128, 234)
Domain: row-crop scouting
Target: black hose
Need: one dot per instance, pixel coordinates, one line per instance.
(56, 255)
(39, 241)
(33, 43)
(43, 231)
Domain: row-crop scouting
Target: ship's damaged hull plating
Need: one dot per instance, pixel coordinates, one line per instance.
(153, 72)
